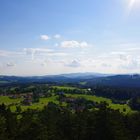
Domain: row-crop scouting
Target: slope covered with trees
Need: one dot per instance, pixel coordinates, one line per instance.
(55, 122)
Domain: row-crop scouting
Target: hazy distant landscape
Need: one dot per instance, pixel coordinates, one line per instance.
(77, 85)
(127, 80)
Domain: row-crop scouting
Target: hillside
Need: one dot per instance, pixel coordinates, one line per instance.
(90, 79)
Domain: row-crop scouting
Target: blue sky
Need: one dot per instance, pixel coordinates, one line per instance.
(39, 37)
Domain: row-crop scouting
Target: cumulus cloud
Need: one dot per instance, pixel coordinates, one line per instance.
(123, 57)
(37, 50)
(74, 44)
(10, 64)
(44, 37)
(33, 51)
(57, 36)
(129, 62)
(73, 64)
(125, 60)
(42, 51)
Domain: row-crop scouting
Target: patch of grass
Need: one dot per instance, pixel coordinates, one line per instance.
(42, 102)
(6, 100)
(90, 97)
(101, 99)
(122, 108)
(82, 83)
(69, 88)
(64, 87)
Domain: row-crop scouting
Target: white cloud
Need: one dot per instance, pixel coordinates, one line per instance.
(33, 51)
(133, 49)
(50, 61)
(4, 53)
(129, 62)
(118, 53)
(57, 36)
(57, 54)
(43, 52)
(73, 64)
(44, 37)
(37, 50)
(10, 64)
(84, 44)
(74, 44)
(105, 65)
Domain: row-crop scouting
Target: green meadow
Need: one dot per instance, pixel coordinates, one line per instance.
(7, 101)
(65, 87)
(44, 101)
(102, 99)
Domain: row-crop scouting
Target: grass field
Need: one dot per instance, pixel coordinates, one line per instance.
(68, 88)
(90, 97)
(6, 100)
(64, 87)
(101, 99)
(82, 83)
(44, 101)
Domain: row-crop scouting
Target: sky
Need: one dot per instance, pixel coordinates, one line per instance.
(43, 37)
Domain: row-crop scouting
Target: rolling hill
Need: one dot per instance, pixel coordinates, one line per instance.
(91, 79)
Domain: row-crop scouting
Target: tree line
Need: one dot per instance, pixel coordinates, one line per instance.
(56, 122)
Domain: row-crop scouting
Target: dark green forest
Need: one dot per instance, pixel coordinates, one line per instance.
(56, 122)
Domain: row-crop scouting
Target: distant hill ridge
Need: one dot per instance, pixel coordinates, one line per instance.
(91, 79)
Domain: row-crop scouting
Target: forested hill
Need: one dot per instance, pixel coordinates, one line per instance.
(127, 81)
(90, 79)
